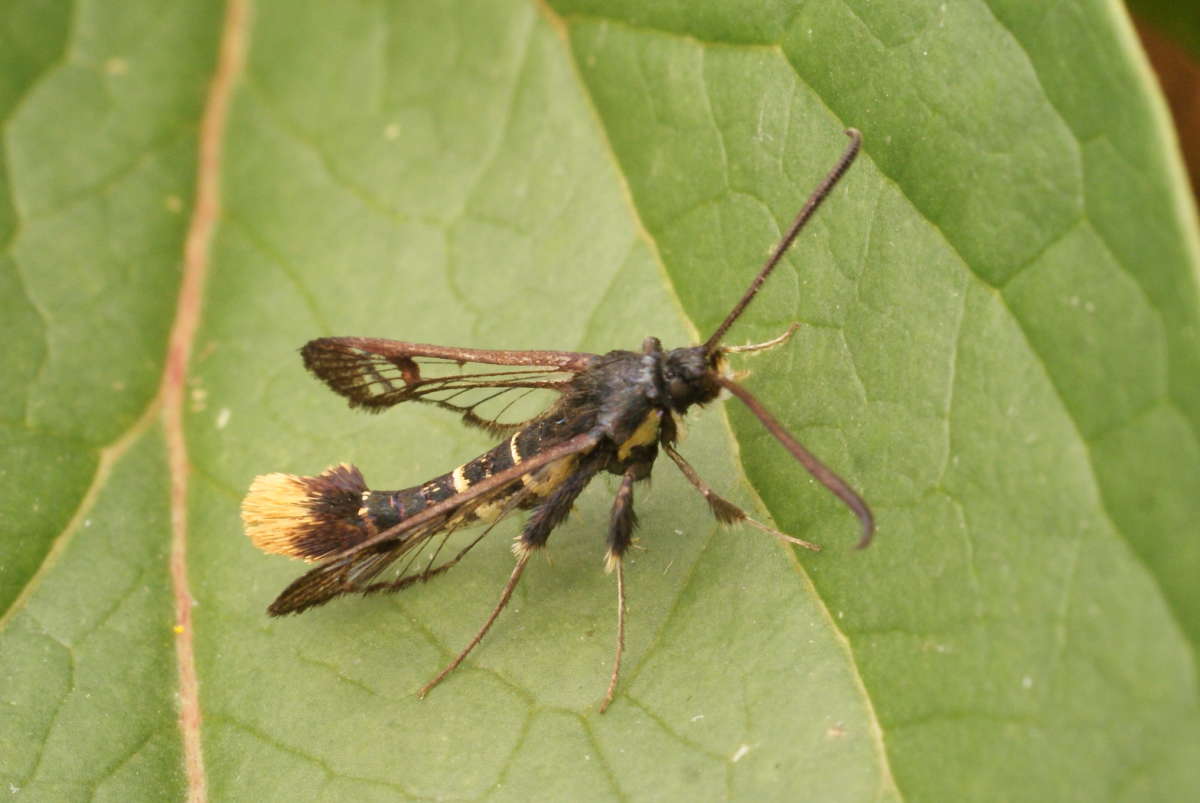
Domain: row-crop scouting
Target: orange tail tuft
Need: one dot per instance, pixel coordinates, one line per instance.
(307, 517)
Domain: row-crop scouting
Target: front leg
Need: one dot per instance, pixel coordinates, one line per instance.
(722, 509)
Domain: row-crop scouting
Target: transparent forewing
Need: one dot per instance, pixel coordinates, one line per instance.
(355, 572)
(495, 390)
(350, 573)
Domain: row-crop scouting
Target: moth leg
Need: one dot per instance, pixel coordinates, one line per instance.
(725, 511)
(536, 531)
(556, 508)
(765, 345)
(504, 597)
(622, 520)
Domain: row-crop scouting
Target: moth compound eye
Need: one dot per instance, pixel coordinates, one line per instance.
(679, 389)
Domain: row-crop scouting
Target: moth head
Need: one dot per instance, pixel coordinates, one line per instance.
(689, 376)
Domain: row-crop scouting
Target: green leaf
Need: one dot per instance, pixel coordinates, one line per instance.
(1000, 347)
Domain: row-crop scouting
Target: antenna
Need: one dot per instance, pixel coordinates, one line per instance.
(810, 206)
(820, 472)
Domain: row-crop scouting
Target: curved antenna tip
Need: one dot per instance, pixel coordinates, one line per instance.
(868, 523)
(820, 472)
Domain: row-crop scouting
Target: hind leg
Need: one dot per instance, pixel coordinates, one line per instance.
(622, 522)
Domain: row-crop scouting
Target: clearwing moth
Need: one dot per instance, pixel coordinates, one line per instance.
(612, 413)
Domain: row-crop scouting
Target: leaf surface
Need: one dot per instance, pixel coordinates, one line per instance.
(999, 348)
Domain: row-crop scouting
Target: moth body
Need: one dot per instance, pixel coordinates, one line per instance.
(613, 412)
